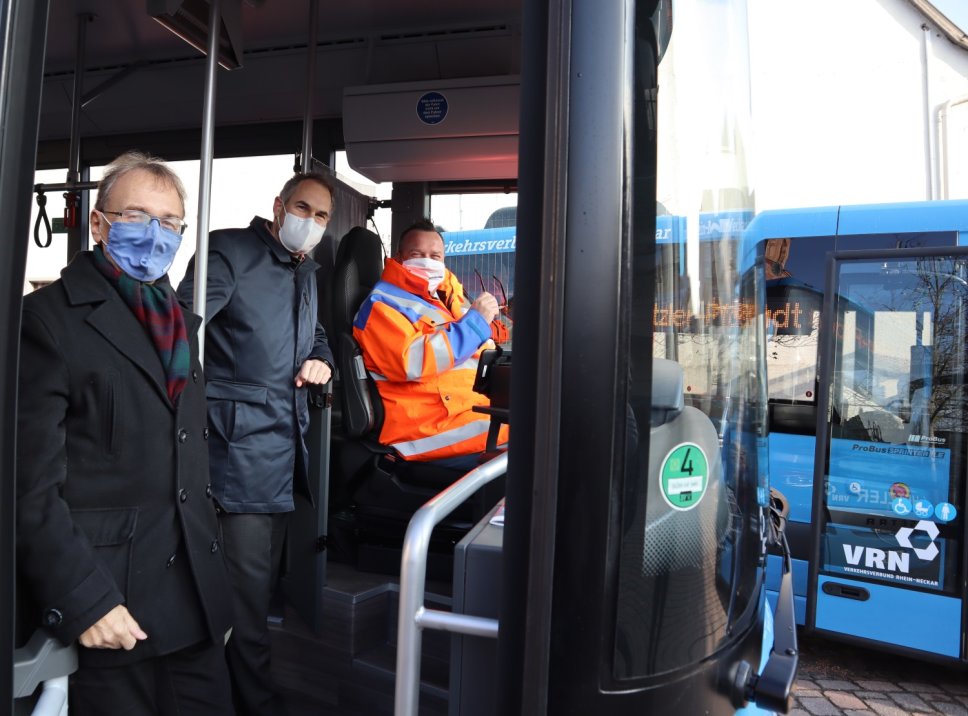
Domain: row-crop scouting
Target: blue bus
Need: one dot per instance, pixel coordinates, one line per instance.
(876, 529)
(876, 374)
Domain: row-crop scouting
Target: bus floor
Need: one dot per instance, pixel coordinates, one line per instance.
(837, 679)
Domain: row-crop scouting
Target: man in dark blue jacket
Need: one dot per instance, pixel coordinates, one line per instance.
(263, 346)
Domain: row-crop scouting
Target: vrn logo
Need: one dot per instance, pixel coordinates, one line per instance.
(894, 560)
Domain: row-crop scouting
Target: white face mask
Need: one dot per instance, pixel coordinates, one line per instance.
(429, 269)
(299, 235)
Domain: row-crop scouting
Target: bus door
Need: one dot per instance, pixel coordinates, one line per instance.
(889, 484)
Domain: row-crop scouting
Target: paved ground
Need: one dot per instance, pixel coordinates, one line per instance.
(839, 680)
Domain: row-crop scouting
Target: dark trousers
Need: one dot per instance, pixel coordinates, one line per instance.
(466, 462)
(252, 545)
(189, 682)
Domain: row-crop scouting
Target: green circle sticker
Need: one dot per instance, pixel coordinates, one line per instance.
(685, 474)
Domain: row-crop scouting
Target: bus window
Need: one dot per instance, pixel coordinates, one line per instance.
(794, 270)
(696, 308)
(241, 188)
(480, 236)
(795, 276)
(45, 262)
(381, 220)
(695, 425)
(899, 370)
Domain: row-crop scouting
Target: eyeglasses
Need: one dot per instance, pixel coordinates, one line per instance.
(504, 294)
(135, 216)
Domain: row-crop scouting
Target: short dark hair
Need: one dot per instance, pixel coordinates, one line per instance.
(423, 224)
(289, 188)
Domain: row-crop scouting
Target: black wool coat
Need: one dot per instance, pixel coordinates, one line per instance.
(113, 497)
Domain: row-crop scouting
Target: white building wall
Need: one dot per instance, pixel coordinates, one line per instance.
(837, 102)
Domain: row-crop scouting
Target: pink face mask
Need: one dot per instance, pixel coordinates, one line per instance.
(429, 269)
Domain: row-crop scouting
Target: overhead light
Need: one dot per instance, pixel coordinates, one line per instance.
(189, 20)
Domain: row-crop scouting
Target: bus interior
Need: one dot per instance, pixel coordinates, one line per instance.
(536, 101)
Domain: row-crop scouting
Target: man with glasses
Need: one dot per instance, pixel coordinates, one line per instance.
(117, 540)
(421, 339)
(264, 346)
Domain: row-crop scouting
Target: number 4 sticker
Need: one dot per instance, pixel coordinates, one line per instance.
(685, 474)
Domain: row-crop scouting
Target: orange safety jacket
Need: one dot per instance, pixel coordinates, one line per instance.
(422, 352)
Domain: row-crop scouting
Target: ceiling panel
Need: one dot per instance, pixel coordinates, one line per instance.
(360, 42)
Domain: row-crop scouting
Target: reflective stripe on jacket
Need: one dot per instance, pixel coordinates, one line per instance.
(423, 352)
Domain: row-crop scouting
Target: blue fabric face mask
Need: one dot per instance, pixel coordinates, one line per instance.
(143, 251)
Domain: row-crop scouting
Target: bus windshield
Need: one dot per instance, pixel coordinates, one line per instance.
(691, 525)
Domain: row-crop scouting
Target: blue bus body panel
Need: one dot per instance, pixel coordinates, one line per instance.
(790, 223)
(862, 219)
(791, 472)
(905, 218)
(480, 241)
(903, 617)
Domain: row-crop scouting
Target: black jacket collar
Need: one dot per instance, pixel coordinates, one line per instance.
(83, 283)
(113, 319)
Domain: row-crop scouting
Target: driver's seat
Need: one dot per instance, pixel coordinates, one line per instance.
(380, 489)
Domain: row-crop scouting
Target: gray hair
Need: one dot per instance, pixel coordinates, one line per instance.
(129, 162)
(289, 188)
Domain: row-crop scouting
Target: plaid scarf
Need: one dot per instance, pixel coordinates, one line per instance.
(156, 308)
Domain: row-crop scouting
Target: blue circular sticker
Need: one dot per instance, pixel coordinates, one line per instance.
(901, 506)
(945, 511)
(432, 108)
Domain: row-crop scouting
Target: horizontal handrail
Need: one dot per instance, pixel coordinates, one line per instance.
(457, 623)
(413, 616)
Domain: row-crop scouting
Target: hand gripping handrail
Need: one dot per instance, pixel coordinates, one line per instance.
(413, 615)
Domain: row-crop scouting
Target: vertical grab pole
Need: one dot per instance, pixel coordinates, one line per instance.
(307, 136)
(74, 161)
(205, 170)
(413, 581)
(76, 235)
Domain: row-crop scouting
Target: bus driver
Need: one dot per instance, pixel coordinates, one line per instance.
(421, 340)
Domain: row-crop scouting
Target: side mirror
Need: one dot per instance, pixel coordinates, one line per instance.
(662, 23)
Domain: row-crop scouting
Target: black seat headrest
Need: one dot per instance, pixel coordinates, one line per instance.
(359, 265)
